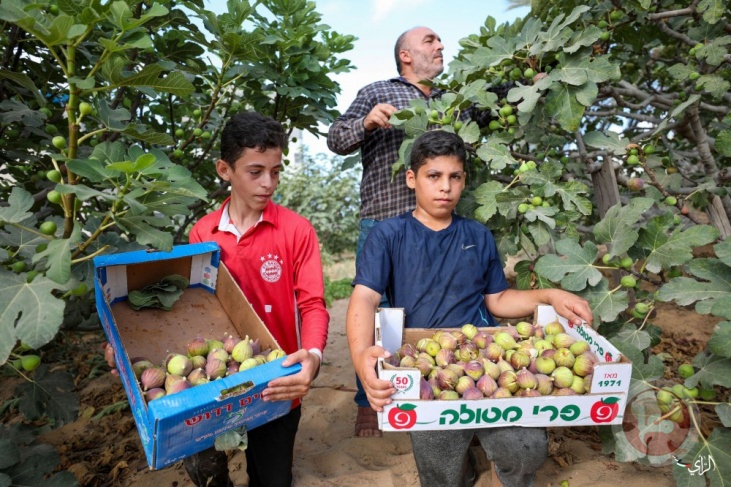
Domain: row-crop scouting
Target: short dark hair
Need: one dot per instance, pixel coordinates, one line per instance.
(250, 130)
(436, 143)
(397, 49)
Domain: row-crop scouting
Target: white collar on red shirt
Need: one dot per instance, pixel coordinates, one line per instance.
(226, 225)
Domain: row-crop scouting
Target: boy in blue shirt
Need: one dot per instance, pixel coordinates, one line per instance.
(445, 271)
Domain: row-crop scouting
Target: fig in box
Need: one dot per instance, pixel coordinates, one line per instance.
(213, 306)
(599, 396)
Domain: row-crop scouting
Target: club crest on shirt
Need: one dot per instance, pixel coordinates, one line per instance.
(271, 267)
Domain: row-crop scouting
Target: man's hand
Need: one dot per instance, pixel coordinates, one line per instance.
(297, 385)
(109, 357)
(572, 307)
(379, 116)
(379, 391)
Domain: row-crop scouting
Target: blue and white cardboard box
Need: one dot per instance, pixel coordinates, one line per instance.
(176, 426)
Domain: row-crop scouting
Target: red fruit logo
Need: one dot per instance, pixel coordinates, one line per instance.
(606, 410)
(402, 416)
(608, 356)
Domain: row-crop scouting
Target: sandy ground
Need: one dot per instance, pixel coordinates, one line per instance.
(327, 453)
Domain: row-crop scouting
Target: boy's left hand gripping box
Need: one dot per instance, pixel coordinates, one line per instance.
(181, 424)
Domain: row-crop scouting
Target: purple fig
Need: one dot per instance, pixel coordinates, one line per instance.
(474, 369)
(508, 380)
(139, 365)
(424, 366)
(526, 379)
(549, 353)
(255, 347)
(425, 390)
(427, 357)
(461, 338)
(541, 345)
(457, 368)
(171, 380)
(421, 344)
(437, 335)
(494, 352)
(229, 342)
(153, 394)
(447, 341)
(436, 390)
(180, 365)
(563, 391)
(583, 365)
(487, 385)
(232, 367)
(587, 383)
(446, 379)
(504, 365)
(196, 375)
(178, 386)
(407, 350)
(152, 378)
(197, 346)
(472, 394)
(545, 384)
(215, 369)
(482, 339)
(218, 353)
(510, 330)
(444, 357)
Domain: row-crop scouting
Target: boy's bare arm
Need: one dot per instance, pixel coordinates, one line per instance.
(359, 326)
(512, 303)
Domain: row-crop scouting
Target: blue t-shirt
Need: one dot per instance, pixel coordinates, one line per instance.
(440, 278)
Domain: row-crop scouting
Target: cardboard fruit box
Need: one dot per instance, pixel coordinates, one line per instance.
(181, 424)
(603, 406)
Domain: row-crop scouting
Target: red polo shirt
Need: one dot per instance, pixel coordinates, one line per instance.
(277, 265)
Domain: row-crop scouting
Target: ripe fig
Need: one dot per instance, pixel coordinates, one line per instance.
(500, 393)
(563, 340)
(474, 369)
(472, 394)
(407, 361)
(215, 369)
(563, 391)
(275, 354)
(198, 361)
(494, 352)
(423, 365)
(587, 383)
(508, 380)
(504, 365)
(553, 328)
(242, 351)
(545, 365)
(229, 342)
(436, 390)
(545, 384)
(528, 393)
(152, 378)
(178, 386)
(196, 376)
(466, 352)
(463, 383)
(444, 357)
(635, 184)
(213, 344)
(577, 385)
(491, 368)
(218, 353)
(542, 345)
(139, 365)
(564, 358)
(526, 380)
(486, 385)
(482, 339)
(446, 379)
(579, 347)
(461, 337)
(583, 365)
(197, 346)
(425, 390)
(432, 348)
(407, 350)
(519, 360)
(524, 329)
(505, 340)
(426, 356)
(469, 330)
(562, 377)
(447, 341)
(179, 365)
(448, 396)
(248, 364)
(456, 368)
(153, 394)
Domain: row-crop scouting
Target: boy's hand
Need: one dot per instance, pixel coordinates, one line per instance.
(379, 391)
(109, 357)
(573, 308)
(297, 385)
